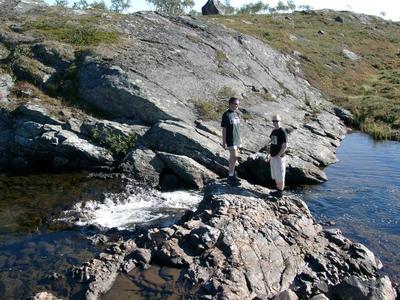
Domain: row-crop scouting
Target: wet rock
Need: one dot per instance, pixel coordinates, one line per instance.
(98, 274)
(128, 246)
(141, 256)
(171, 254)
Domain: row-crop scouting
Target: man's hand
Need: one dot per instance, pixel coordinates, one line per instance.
(268, 157)
(224, 145)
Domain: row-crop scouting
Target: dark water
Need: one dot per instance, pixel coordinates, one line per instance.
(31, 247)
(362, 197)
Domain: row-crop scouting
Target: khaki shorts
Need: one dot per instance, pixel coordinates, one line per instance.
(278, 168)
(234, 147)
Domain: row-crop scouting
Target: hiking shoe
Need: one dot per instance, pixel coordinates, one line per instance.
(277, 194)
(233, 181)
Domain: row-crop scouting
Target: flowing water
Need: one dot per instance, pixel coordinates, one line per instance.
(46, 220)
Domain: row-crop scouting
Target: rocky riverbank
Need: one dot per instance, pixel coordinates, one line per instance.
(242, 243)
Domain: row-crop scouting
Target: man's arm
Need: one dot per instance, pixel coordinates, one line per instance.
(224, 138)
(283, 149)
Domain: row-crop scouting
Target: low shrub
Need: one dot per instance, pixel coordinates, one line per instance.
(118, 144)
(209, 110)
(83, 31)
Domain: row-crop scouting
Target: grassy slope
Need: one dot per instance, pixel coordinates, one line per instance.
(369, 87)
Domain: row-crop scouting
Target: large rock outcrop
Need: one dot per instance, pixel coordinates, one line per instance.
(242, 243)
(162, 70)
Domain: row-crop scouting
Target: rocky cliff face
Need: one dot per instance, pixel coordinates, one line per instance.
(153, 83)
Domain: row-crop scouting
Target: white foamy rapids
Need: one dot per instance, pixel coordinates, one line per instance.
(125, 210)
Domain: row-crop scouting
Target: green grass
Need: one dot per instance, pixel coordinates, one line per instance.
(210, 110)
(377, 108)
(325, 67)
(118, 144)
(226, 92)
(220, 57)
(79, 31)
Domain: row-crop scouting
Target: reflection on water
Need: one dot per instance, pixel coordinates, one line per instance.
(33, 245)
(362, 196)
(153, 283)
(28, 202)
(31, 248)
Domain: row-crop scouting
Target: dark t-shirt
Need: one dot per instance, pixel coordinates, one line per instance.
(278, 137)
(231, 121)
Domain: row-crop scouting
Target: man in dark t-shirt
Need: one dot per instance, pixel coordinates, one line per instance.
(231, 137)
(277, 155)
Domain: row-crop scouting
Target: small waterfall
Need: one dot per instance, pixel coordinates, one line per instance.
(136, 205)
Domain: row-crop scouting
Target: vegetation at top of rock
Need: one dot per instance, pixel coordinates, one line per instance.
(208, 110)
(352, 58)
(116, 5)
(23, 92)
(172, 7)
(259, 6)
(117, 143)
(377, 108)
(80, 31)
(226, 92)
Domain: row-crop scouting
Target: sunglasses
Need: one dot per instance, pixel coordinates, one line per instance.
(275, 121)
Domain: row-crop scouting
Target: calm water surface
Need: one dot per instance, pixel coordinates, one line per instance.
(362, 197)
(31, 245)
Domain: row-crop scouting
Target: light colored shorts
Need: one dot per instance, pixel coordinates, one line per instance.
(278, 168)
(234, 147)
